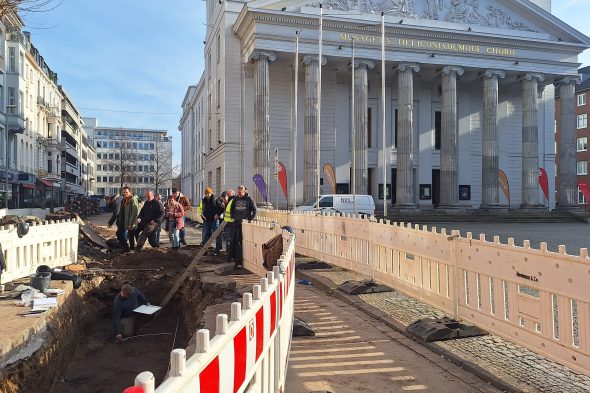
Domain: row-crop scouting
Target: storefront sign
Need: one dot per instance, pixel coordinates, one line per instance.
(445, 46)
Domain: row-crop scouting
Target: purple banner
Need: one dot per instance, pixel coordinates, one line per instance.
(261, 185)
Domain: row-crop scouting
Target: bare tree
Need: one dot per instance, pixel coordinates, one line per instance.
(124, 164)
(25, 6)
(162, 162)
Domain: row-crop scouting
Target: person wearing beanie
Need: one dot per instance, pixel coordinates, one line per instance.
(210, 210)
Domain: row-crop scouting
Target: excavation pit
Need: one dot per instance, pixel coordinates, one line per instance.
(72, 348)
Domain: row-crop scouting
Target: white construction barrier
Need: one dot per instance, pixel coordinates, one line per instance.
(47, 243)
(250, 349)
(534, 297)
(37, 212)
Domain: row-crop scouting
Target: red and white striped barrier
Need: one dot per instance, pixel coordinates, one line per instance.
(249, 351)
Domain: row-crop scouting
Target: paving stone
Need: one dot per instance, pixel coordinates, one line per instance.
(516, 365)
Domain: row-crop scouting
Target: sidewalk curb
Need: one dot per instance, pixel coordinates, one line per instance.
(330, 288)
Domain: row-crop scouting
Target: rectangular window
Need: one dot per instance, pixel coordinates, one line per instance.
(21, 59)
(395, 129)
(218, 47)
(437, 129)
(21, 103)
(582, 121)
(209, 65)
(582, 99)
(582, 167)
(218, 93)
(49, 166)
(369, 128)
(581, 198)
(582, 144)
(218, 131)
(11, 101)
(12, 60)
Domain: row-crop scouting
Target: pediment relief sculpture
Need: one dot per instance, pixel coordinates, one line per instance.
(470, 12)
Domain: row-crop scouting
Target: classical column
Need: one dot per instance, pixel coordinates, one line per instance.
(490, 184)
(530, 136)
(311, 148)
(449, 177)
(404, 189)
(568, 187)
(262, 116)
(361, 124)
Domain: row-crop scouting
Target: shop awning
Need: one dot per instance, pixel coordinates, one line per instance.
(46, 182)
(28, 185)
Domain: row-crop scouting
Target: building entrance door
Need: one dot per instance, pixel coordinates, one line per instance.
(393, 184)
(435, 187)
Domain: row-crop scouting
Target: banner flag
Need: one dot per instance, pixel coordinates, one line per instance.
(585, 190)
(544, 182)
(282, 175)
(261, 185)
(330, 177)
(504, 185)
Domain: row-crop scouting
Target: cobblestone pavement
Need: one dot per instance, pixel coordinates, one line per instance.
(573, 235)
(514, 364)
(353, 352)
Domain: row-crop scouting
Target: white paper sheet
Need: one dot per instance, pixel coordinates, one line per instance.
(149, 310)
(47, 302)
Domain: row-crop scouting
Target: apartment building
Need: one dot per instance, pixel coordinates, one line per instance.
(582, 109)
(134, 157)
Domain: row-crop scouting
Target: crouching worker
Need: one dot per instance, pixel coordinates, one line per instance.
(123, 318)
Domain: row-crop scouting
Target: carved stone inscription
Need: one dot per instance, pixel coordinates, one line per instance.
(471, 12)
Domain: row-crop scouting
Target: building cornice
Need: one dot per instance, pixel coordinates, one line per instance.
(305, 21)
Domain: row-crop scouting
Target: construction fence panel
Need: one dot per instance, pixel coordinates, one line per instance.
(536, 298)
(250, 348)
(47, 243)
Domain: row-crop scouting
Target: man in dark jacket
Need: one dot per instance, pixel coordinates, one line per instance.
(242, 208)
(126, 301)
(150, 217)
(211, 209)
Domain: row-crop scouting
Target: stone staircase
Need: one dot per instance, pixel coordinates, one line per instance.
(511, 216)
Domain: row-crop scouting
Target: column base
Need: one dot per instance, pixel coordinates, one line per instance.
(532, 208)
(494, 208)
(568, 208)
(404, 208)
(451, 209)
(264, 205)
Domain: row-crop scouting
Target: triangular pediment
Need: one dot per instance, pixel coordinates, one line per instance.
(515, 17)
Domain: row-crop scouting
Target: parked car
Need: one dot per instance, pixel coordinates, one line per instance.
(341, 203)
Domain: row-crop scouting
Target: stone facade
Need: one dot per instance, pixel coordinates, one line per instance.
(469, 92)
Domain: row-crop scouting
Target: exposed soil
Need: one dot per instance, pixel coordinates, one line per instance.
(80, 354)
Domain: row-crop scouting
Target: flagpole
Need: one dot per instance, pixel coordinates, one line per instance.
(295, 119)
(353, 126)
(383, 112)
(319, 105)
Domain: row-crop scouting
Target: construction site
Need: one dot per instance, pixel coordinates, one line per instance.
(71, 348)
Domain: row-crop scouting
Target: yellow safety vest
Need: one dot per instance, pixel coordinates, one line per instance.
(227, 215)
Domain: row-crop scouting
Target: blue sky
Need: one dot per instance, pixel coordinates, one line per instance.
(126, 55)
(141, 55)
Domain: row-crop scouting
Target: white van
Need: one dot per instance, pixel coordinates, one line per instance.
(341, 203)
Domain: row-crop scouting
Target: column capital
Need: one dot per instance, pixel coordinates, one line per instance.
(531, 76)
(358, 63)
(494, 74)
(568, 80)
(260, 54)
(411, 66)
(447, 70)
(308, 59)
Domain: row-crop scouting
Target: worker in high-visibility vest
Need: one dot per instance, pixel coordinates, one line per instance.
(229, 227)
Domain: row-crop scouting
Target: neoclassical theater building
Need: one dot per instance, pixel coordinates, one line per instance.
(469, 93)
